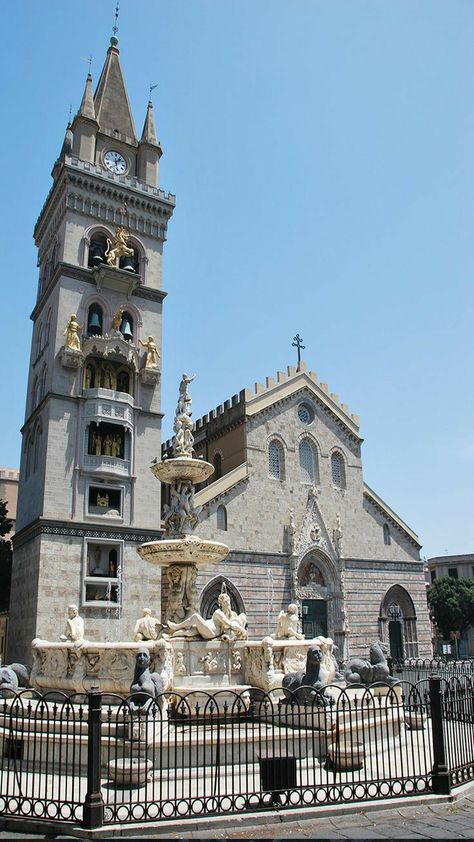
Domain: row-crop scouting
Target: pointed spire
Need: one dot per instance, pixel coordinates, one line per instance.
(112, 108)
(66, 149)
(67, 142)
(149, 131)
(87, 104)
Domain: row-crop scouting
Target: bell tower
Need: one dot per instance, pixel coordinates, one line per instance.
(92, 426)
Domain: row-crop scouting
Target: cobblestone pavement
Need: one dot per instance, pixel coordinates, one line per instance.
(453, 820)
(447, 820)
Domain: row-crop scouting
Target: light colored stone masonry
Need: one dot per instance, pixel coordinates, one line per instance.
(258, 517)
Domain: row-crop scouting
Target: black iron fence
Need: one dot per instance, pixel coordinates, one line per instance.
(416, 669)
(100, 759)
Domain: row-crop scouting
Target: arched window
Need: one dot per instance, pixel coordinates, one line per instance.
(37, 446)
(90, 376)
(276, 463)
(39, 340)
(42, 388)
(95, 319)
(217, 462)
(387, 539)
(222, 518)
(123, 382)
(47, 329)
(307, 461)
(35, 393)
(97, 249)
(337, 470)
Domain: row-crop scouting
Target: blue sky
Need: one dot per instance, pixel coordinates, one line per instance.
(322, 156)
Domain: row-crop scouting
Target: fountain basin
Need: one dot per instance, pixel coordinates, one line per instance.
(190, 549)
(182, 468)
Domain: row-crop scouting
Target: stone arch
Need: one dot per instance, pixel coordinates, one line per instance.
(316, 454)
(338, 467)
(210, 593)
(319, 597)
(397, 623)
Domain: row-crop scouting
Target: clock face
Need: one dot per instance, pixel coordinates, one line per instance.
(115, 162)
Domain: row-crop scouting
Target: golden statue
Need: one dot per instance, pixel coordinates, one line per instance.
(72, 334)
(117, 319)
(119, 248)
(152, 352)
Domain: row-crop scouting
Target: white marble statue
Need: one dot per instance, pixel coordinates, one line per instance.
(287, 624)
(183, 425)
(224, 623)
(74, 630)
(337, 535)
(145, 627)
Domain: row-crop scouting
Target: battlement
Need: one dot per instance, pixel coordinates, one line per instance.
(292, 372)
(247, 395)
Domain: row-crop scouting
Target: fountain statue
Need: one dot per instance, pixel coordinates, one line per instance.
(190, 651)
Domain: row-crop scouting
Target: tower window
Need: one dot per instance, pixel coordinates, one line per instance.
(95, 320)
(101, 582)
(275, 460)
(222, 518)
(387, 538)
(307, 458)
(106, 440)
(104, 501)
(337, 470)
(453, 572)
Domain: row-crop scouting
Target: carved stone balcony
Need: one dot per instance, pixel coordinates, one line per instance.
(107, 465)
(107, 405)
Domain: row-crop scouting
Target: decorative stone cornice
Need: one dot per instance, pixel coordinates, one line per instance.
(138, 195)
(72, 530)
(380, 566)
(81, 273)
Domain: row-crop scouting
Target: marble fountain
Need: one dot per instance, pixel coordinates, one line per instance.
(191, 655)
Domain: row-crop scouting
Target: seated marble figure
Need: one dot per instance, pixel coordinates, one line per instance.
(145, 627)
(287, 624)
(224, 623)
(74, 630)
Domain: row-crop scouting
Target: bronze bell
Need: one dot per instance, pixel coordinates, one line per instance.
(126, 330)
(94, 328)
(128, 263)
(96, 253)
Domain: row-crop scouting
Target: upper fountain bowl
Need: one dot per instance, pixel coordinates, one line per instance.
(182, 468)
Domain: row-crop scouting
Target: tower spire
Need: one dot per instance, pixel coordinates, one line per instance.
(87, 105)
(149, 131)
(112, 107)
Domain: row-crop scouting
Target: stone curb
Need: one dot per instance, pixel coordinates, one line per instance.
(245, 821)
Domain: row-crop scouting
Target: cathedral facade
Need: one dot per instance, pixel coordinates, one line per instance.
(289, 498)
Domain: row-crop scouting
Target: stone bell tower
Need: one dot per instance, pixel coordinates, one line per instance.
(87, 498)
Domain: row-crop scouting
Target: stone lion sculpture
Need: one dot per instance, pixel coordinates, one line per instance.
(146, 686)
(306, 685)
(14, 676)
(359, 671)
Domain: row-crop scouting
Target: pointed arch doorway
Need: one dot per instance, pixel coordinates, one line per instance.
(318, 594)
(398, 623)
